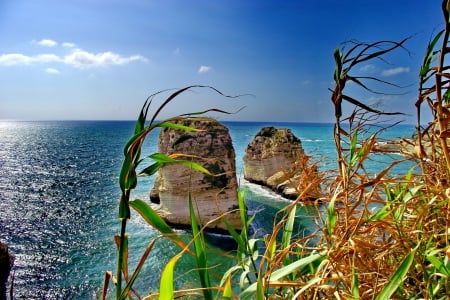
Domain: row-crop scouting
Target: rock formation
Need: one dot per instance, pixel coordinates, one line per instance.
(6, 263)
(212, 195)
(275, 158)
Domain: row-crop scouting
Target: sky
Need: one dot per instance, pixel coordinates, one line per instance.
(101, 59)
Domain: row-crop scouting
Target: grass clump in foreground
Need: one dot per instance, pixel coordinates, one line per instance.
(379, 236)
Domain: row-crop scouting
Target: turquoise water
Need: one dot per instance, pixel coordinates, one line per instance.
(58, 203)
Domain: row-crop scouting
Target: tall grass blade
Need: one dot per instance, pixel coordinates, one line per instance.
(249, 292)
(138, 269)
(260, 289)
(166, 290)
(164, 159)
(167, 124)
(429, 56)
(150, 170)
(355, 284)
(154, 220)
(440, 265)
(122, 260)
(331, 216)
(200, 253)
(227, 290)
(287, 236)
(289, 228)
(398, 277)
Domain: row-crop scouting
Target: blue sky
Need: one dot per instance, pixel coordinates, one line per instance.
(100, 59)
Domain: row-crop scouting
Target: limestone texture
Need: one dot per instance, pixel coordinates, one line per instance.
(275, 158)
(213, 196)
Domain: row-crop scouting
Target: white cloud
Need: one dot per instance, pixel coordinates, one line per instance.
(83, 59)
(395, 71)
(68, 45)
(12, 59)
(77, 58)
(48, 43)
(52, 71)
(204, 69)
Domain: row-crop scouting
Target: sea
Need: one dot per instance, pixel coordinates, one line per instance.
(59, 196)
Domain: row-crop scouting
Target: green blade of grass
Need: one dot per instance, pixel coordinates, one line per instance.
(288, 228)
(200, 253)
(355, 284)
(249, 292)
(150, 170)
(154, 220)
(166, 290)
(397, 278)
(439, 264)
(168, 124)
(331, 216)
(260, 289)
(227, 290)
(287, 235)
(164, 159)
(138, 269)
(127, 177)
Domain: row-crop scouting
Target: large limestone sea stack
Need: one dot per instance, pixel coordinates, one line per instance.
(212, 196)
(275, 158)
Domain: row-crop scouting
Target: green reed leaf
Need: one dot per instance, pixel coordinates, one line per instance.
(338, 69)
(124, 208)
(331, 216)
(166, 290)
(439, 264)
(227, 290)
(154, 220)
(122, 260)
(355, 284)
(430, 56)
(381, 214)
(168, 124)
(249, 292)
(140, 122)
(138, 269)
(235, 235)
(260, 289)
(150, 170)
(200, 253)
(242, 206)
(164, 159)
(127, 177)
(398, 277)
(287, 234)
(288, 228)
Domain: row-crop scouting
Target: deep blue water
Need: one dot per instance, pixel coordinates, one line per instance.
(58, 202)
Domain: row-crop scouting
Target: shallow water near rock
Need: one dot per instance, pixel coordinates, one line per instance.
(59, 195)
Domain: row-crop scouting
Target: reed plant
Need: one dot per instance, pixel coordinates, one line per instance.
(132, 168)
(378, 236)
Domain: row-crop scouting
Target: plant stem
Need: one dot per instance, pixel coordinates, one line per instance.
(123, 228)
